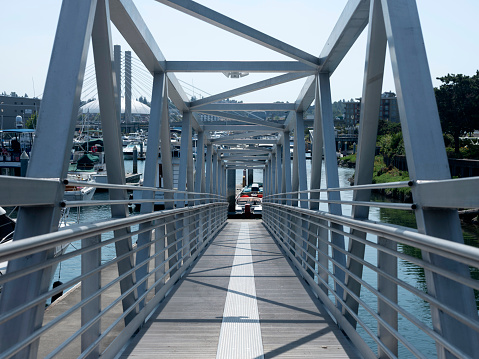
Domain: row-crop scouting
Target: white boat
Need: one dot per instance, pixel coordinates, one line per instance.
(250, 199)
(79, 193)
(128, 150)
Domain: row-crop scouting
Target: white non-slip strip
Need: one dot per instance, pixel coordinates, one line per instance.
(240, 335)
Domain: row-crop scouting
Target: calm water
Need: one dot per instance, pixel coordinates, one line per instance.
(407, 272)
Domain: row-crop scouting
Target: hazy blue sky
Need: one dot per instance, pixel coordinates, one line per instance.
(450, 29)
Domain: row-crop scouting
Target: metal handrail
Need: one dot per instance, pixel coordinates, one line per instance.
(290, 226)
(175, 257)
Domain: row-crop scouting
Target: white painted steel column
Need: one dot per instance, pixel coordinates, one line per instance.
(49, 159)
(286, 174)
(224, 179)
(103, 55)
(426, 159)
(167, 169)
(332, 178)
(221, 178)
(300, 154)
(368, 126)
(265, 179)
(295, 172)
(215, 173)
(279, 168)
(231, 189)
(199, 186)
(150, 172)
(200, 165)
(315, 230)
(209, 168)
(185, 150)
(183, 180)
(273, 174)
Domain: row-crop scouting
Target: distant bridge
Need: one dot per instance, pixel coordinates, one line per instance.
(196, 284)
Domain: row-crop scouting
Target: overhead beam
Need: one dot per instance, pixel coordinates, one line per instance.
(245, 163)
(245, 119)
(226, 23)
(249, 107)
(243, 167)
(243, 158)
(306, 96)
(349, 26)
(239, 66)
(228, 127)
(260, 85)
(246, 150)
(244, 135)
(249, 142)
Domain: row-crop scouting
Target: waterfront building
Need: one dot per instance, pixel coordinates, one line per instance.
(388, 109)
(12, 106)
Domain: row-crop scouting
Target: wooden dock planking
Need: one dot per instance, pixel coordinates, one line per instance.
(293, 322)
(188, 323)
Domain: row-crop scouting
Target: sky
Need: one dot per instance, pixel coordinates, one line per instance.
(450, 31)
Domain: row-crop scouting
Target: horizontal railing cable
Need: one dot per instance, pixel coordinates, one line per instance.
(190, 218)
(293, 236)
(414, 320)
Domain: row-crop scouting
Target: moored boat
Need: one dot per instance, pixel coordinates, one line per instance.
(250, 199)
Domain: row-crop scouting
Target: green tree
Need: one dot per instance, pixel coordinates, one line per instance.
(391, 144)
(458, 104)
(388, 128)
(32, 121)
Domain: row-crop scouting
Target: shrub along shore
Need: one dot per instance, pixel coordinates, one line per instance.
(383, 174)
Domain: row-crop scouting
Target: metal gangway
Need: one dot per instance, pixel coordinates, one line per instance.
(112, 303)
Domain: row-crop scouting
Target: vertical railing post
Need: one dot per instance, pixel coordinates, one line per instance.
(388, 264)
(160, 265)
(91, 261)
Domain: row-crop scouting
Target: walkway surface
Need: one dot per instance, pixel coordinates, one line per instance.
(242, 299)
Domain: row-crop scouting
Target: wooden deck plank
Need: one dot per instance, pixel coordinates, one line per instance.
(293, 322)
